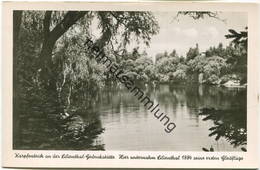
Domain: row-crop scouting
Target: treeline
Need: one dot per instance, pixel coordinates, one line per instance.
(217, 65)
(69, 68)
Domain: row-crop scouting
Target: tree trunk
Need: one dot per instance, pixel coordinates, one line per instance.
(47, 72)
(17, 16)
(50, 37)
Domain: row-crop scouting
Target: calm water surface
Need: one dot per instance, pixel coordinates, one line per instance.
(130, 126)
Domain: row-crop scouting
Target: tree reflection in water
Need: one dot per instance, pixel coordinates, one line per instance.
(45, 124)
(78, 134)
(228, 123)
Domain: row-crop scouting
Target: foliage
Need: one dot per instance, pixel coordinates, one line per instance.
(230, 124)
(216, 65)
(53, 61)
(238, 57)
(170, 67)
(199, 15)
(238, 37)
(192, 53)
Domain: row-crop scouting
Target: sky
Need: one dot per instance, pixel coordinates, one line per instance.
(184, 32)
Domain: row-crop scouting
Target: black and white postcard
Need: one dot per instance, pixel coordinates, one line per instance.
(133, 85)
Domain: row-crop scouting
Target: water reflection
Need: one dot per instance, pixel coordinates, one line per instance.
(129, 126)
(115, 120)
(45, 124)
(229, 123)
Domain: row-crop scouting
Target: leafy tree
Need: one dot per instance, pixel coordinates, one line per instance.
(54, 25)
(238, 57)
(197, 64)
(181, 73)
(192, 53)
(213, 69)
(144, 66)
(170, 67)
(216, 51)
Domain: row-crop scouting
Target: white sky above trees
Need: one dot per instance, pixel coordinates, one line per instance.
(184, 32)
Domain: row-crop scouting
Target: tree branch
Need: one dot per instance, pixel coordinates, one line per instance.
(46, 23)
(50, 38)
(70, 19)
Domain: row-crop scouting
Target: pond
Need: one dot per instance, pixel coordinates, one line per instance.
(130, 126)
(116, 120)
